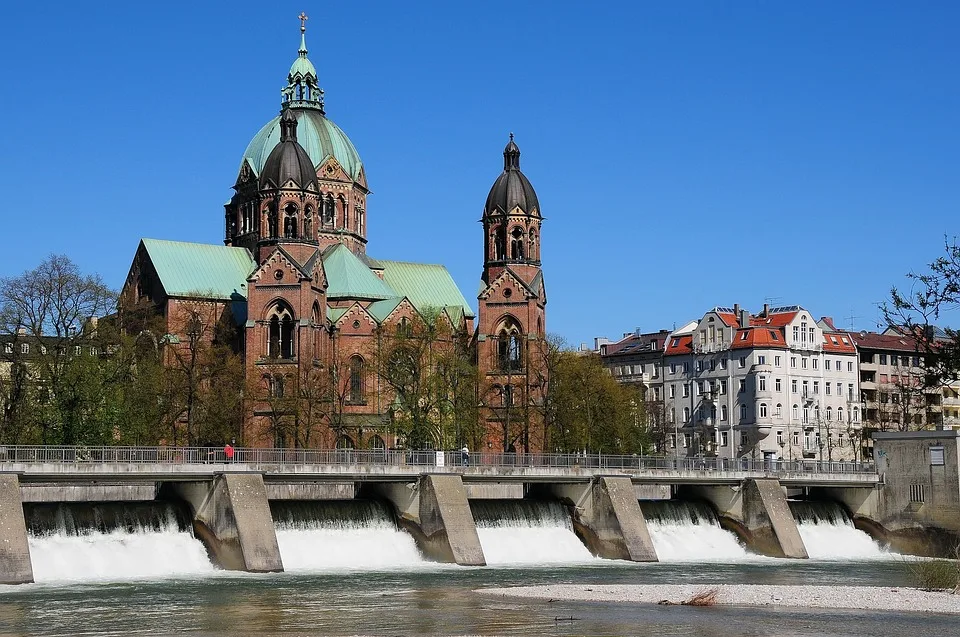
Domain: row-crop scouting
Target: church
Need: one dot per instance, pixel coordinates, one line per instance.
(304, 296)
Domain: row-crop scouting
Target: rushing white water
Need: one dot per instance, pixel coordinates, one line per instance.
(828, 533)
(527, 532)
(689, 531)
(338, 535)
(112, 542)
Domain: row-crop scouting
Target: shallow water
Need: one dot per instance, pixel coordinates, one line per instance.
(429, 599)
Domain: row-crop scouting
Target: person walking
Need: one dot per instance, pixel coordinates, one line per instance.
(465, 456)
(228, 452)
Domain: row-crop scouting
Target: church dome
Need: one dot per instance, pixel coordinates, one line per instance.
(319, 136)
(288, 160)
(512, 189)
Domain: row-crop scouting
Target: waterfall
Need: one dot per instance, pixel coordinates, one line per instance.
(341, 534)
(828, 532)
(112, 541)
(527, 532)
(686, 531)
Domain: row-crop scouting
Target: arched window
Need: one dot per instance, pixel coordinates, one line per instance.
(308, 223)
(509, 346)
(713, 413)
(280, 331)
(779, 412)
(356, 379)
(516, 243)
(532, 252)
(328, 212)
(403, 327)
(377, 444)
(499, 243)
(345, 211)
(361, 219)
(839, 414)
(763, 410)
(723, 413)
(276, 386)
(345, 442)
(856, 414)
(686, 414)
(796, 412)
(272, 222)
(829, 414)
(290, 221)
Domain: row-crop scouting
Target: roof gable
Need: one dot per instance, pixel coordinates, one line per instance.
(199, 270)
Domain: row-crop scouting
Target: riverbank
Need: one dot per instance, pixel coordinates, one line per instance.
(831, 597)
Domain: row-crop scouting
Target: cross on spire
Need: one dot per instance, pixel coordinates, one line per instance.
(303, 21)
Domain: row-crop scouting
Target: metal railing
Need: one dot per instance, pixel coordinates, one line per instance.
(401, 458)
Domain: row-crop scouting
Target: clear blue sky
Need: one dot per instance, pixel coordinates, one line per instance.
(685, 154)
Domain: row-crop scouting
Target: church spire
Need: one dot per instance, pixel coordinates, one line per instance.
(303, 88)
(511, 155)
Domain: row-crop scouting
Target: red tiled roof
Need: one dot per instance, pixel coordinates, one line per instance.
(773, 320)
(758, 337)
(839, 347)
(679, 345)
(729, 318)
(872, 340)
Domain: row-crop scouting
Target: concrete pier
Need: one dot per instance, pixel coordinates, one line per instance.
(436, 512)
(15, 566)
(769, 522)
(232, 518)
(607, 517)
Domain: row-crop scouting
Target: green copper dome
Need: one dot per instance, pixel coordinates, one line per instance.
(319, 136)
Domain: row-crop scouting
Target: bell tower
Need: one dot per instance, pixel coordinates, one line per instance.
(511, 347)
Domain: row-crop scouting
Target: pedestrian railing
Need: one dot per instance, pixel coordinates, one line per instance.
(403, 458)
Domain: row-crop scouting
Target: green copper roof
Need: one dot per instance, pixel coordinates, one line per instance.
(380, 310)
(426, 285)
(334, 313)
(200, 270)
(319, 136)
(349, 278)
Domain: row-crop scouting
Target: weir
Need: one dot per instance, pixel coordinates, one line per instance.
(527, 532)
(828, 532)
(688, 531)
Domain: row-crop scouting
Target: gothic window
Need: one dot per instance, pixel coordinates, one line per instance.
(361, 220)
(377, 444)
(272, 222)
(498, 396)
(280, 332)
(499, 244)
(345, 442)
(342, 207)
(403, 327)
(308, 223)
(356, 379)
(274, 385)
(516, 243)
(290, 221)
(328, 212)
(532, 252)
(509, 346)
(508, 396)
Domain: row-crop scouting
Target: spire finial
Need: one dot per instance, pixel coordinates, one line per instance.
(303, 21)
(303, 34)
(511, 155)
(511, 136)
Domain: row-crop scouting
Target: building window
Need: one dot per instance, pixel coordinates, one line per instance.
(723, 413)
(840, 414)
(742, 386)
(723, 387)
(793, 362)
(806, 415)
(777, 385)
(673, 391)
(763, 383)
(509, 346)
(699, 365)
(761, 360)
(803, 362)
(849, 366)
(723, 363)
(815, 363)
(724, 439)
(816, 387)
(776, 361)
(796, 438)
(686, 414)
(793, 386)
(763, 410)
(24, 348)
(673, 368)
(290, 221)
(280, 332)
(826, 388)
(780, 437)
(686, 389)
(829, 414)
(8, 348)
(826, 364)
(686, 367)
(673, 415)
(779, 411)
(356, 379)
(743, 412)
(742, 362)
(856, 414)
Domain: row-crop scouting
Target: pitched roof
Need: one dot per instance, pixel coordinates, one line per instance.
(380, 310)
(349, 278)
(838, 342)
(758, 336)
(679, 345)
(200, 270)
(424, 284)
(872, 340)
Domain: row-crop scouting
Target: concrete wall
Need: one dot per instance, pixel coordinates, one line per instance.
(319, 490)
(436, 512)
(494, 490)
(918, 508)
(607, 517)
(232, 518)
(15, 566)
(93, 492)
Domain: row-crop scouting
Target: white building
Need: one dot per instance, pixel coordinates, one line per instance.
(776, 385)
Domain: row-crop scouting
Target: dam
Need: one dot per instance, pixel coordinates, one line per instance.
(182, 511)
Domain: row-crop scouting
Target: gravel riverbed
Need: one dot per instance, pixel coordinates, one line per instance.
(851, 597)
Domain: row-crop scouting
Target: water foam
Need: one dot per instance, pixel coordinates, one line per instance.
(514, 532)
(690, 531)
(828, 533)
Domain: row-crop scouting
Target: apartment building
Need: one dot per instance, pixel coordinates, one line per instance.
(778, 384)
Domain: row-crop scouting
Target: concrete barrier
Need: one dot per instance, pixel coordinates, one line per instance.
(436, 512)
(94, 492)
(769, 522)
(232, 518)
(15, 566)
(607, 518)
